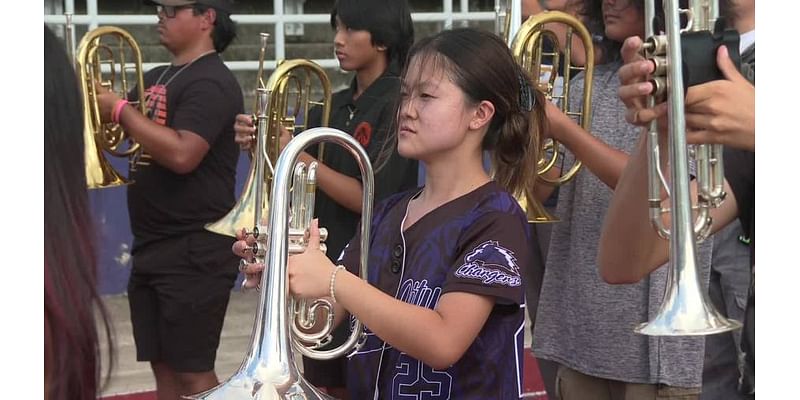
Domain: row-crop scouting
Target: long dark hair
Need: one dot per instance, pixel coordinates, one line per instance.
(72, 356)
(388, 22)
(481, 65)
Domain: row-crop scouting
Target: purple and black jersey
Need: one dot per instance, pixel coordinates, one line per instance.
(476, 243)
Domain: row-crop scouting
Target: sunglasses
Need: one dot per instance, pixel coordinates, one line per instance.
(170, 11)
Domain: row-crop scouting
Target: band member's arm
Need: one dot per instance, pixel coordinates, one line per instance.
(629, 246)
(601, 159)
(179, 150)
(438, 337)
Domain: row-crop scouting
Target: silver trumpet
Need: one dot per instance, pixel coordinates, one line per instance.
(507, 19)
(686, 309)
(269, 370)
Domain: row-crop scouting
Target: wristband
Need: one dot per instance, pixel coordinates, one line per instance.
(118, 110)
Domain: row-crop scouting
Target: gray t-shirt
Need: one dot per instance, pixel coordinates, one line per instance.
(584, 323)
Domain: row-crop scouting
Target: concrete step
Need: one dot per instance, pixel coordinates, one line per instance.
(131, 376)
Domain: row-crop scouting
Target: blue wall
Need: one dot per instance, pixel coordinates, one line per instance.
(110, 209)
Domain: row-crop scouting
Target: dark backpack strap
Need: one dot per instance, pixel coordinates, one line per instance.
(748, 67)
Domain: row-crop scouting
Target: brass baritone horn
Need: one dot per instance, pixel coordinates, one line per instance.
(268, 370)
(274, 108)
(528, 48)
(686, 309)
(103, 59)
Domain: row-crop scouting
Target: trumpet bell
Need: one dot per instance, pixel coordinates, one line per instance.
(686, 310)
(537, 214)
(99, 172)
(262, 383)
(535, 211)
(243, 212)
(284, 100)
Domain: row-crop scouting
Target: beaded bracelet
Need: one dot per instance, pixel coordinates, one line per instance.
(333, 280)
(118, 110)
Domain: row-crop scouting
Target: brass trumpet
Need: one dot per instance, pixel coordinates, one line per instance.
(686, 309)
(528, 48)
(507, 19)
(273, 109)
(268, 370)
(102, 59)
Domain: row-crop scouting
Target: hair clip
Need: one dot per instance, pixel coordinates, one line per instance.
(526, 98)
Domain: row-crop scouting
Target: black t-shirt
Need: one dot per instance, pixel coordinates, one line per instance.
(370, 120)
(740, 168)
(202, 97)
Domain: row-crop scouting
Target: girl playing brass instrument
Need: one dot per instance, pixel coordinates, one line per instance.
(444, 300)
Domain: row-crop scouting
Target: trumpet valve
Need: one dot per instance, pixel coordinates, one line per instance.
(659, 65)
(298, 240)
(659, 88)
(258, 251)
(655, 45)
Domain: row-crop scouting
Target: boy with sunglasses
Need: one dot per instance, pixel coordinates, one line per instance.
(182, 274)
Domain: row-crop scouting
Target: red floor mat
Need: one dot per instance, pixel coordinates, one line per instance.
(532, 384)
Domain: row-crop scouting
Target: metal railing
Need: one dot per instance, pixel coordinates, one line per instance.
(92, 19)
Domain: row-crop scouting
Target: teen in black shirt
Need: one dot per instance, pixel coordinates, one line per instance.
(371, 39)
(182, 274)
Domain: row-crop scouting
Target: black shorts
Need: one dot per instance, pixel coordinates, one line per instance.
(178, 294)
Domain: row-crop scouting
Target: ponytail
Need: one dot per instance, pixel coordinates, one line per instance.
(517, 143)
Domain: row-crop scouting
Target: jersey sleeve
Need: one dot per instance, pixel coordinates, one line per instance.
(491, 252)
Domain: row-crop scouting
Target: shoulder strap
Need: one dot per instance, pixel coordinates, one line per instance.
(748, 67)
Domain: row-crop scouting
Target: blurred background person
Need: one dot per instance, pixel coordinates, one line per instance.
(72, 367)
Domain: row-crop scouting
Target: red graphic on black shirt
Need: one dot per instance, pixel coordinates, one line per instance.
(363, 133)
(156, 103)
